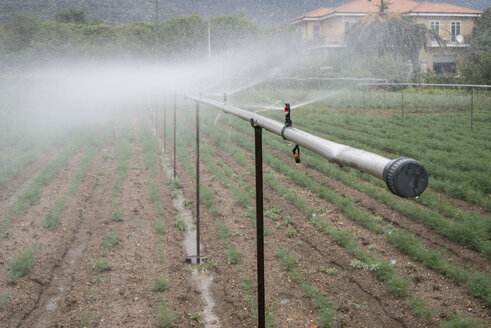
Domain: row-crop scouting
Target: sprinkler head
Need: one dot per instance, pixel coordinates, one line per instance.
(288, 121)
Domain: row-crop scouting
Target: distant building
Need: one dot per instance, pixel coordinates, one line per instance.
(323, 29)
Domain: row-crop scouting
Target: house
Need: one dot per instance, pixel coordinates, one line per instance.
(323, 29)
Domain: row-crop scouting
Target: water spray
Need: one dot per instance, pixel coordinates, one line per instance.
(405, 177)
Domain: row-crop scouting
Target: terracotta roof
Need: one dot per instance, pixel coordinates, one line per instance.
(321, 12)
(366, 6)
(395, 6)
(432, 7)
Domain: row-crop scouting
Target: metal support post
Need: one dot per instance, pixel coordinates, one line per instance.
(157, 122)
(364, 104)
(472, 105)
(164, 134)
(402, 104)
(175, 135)
(261, 313)
(198, 258)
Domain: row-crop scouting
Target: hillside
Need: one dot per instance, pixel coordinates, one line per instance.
(265, 12)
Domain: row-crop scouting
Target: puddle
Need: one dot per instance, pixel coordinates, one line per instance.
(201, 279)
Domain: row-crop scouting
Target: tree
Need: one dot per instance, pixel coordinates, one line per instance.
(71, 16)
(477, 67)
(383, 34)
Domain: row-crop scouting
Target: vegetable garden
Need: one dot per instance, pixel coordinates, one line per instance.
(91, 234)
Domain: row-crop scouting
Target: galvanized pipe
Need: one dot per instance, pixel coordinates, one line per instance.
(405, 177)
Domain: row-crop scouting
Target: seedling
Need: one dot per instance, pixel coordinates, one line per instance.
(197, 317)
(22, 264)
(101, 265)
(181, 225)
(160, 284)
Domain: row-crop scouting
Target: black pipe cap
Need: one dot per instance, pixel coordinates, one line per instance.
(406, 177)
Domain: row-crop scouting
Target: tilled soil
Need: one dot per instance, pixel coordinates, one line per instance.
(64, 289)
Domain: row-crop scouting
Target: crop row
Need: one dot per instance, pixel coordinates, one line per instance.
(405, 241)
(342, 238)
(464, 176)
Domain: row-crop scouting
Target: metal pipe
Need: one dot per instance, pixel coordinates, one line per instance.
(484, 86)
(405, 177)
(261, 303)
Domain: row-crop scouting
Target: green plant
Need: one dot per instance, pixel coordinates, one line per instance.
(273, 213)
(22, 264)
(97, 279)
(110, 239)
(208, 265)
(420, 308)
(174, 183)
(160, 284)
(159, 226)
(51, 219)
(181, 225)
(329, 271)
(197, 317)
(234, 255)
(291, 232)
(165, 317)
(116, 214)
(101, 265)
(4, 297)
(357, 264)
(86, 318)
(456, 322)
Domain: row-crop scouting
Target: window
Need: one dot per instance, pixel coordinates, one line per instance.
(347, 25)
(455, 29)
(316, 32)
(434, 26)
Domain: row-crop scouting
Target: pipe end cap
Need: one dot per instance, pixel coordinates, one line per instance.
(406, 177)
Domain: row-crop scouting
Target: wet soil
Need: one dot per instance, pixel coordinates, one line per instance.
(64, 289)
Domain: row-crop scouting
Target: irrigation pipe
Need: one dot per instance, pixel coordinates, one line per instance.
(404, 176)
(483, 86)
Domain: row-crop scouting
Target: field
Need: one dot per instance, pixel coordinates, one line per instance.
(94, 227)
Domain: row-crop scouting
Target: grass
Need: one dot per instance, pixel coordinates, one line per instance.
(22, 264)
